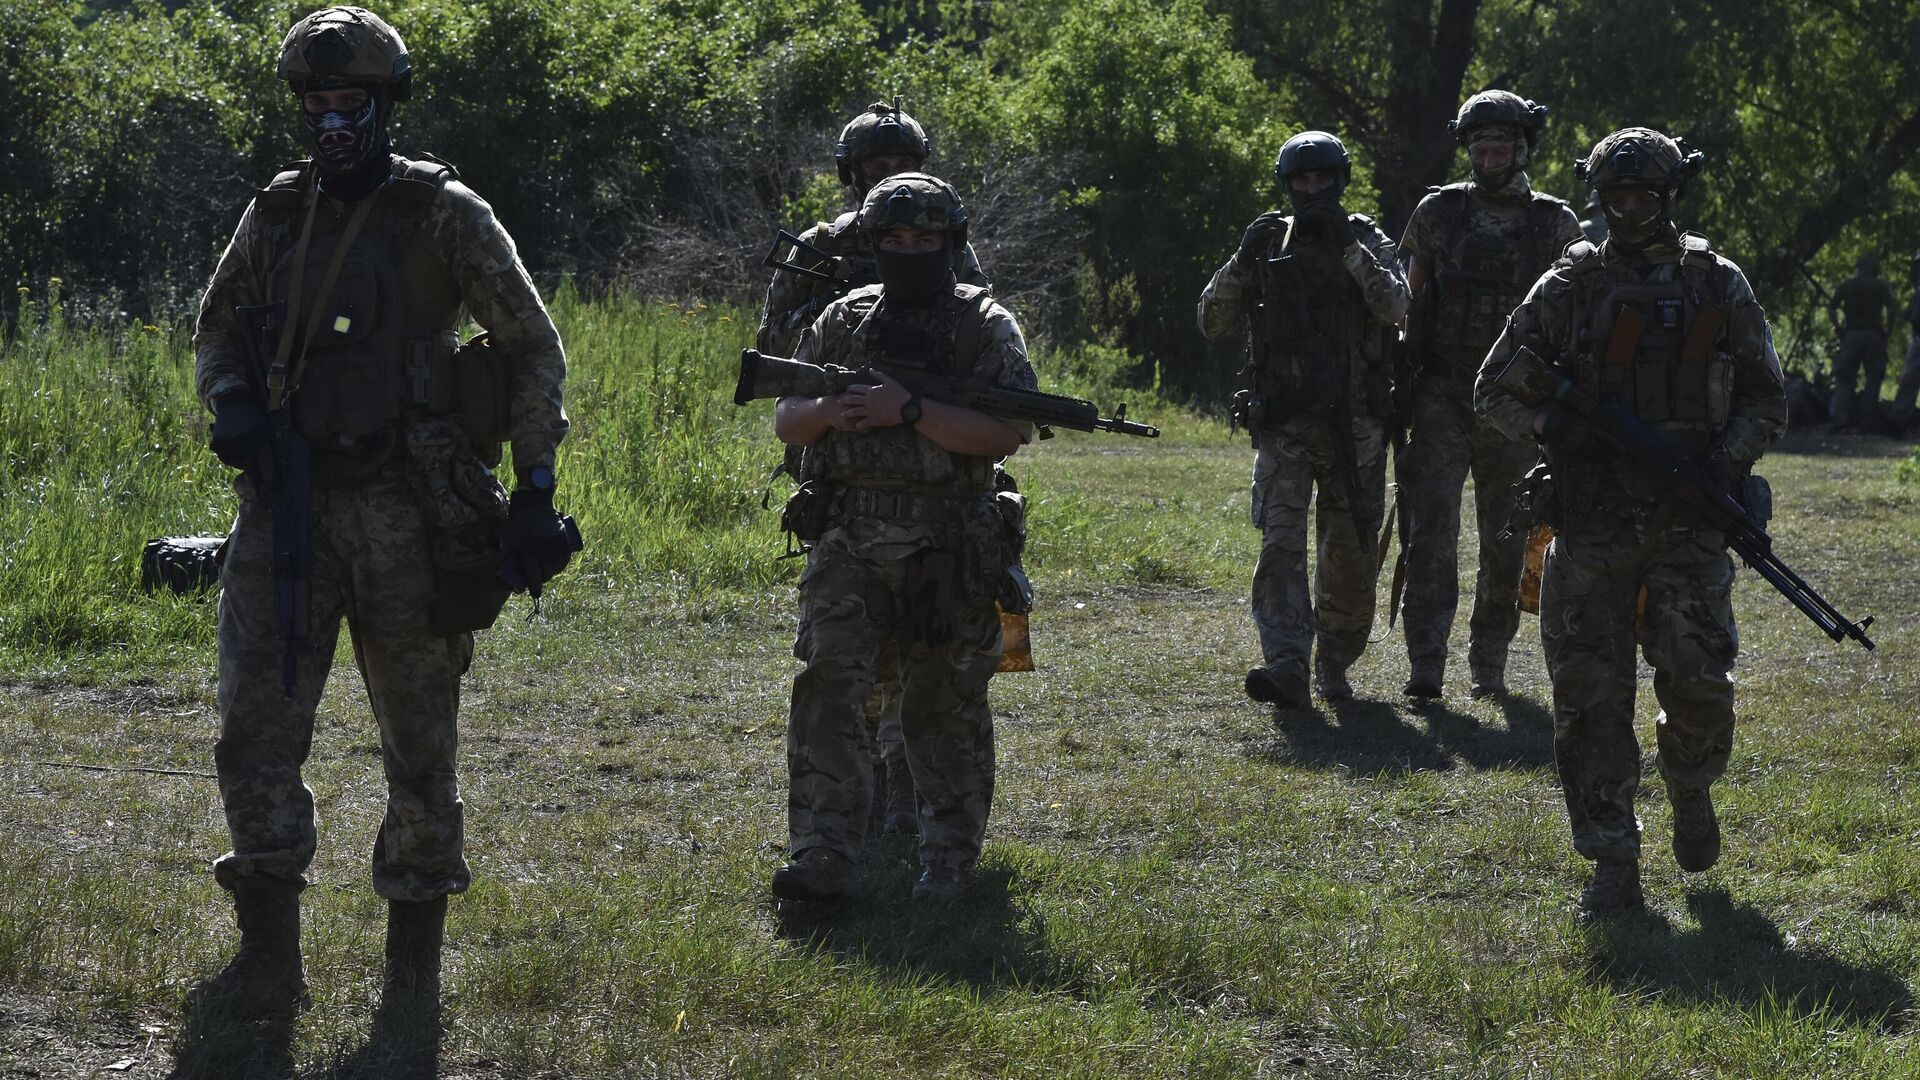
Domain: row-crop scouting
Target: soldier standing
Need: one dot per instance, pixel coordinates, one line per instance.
(1908, 389)
(1860, 310)
(1472, 249)
(913, 550)
(882, 141)
(1320, 293)
(326, 350)
(1655, 323)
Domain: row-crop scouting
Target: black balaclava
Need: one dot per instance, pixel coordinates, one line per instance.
(352, 149)
(915, 280)
(1312, 209)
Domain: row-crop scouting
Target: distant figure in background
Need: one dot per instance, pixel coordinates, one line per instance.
(1900, 416)
(1860, 310)
(1806, 401)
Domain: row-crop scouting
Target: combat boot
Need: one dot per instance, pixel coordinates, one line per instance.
(1330, 680)
(816, 875)
(265, 977)
(1614, 890)
(1488, 682)
(1286, 692)
(1424, 681)
(416, 930)
(1696, 831)
(903, 805)
(939, 886)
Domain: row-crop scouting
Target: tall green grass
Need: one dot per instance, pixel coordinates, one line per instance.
(103, 446)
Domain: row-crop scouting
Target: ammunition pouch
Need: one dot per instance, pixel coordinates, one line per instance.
(1756, 495)
(1015, 594)
(808, 512)
(465, 507)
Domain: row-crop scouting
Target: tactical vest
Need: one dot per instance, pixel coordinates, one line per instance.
(1654, 347)
(942, 339)
(1482, 275)
(1285, 333)
(386, 333)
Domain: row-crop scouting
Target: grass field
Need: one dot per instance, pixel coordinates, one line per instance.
(1174, 883)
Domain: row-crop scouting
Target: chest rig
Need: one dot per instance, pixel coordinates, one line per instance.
(1311, 327)
(941, 339)
(1651, 343)
(373, 335)
(1491, 256)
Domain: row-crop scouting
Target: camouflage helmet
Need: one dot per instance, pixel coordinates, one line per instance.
(914, 200)
(1499, 108)
(882, 129)
(1640, 157)
(345, 46)
(1312, 150)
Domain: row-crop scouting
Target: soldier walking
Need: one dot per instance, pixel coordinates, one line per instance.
(913, 550)
(1319, 293)
(1472, 250)
(326, 350)
(1654, 323)
(883, 141)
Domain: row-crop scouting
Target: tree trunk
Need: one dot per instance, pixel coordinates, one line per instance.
(1412, 149)
(1859, 188)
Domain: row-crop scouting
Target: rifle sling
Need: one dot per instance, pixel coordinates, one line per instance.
(277, 373)
(325, 293)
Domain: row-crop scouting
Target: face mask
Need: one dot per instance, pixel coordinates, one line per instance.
(1311, 211)
(343, 142)
(914, 280)
(1638, 226)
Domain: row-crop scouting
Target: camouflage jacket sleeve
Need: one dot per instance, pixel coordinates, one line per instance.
(1421, 238)
(781, 319)
(1228, 300)
(1372, 261)
(1567, 230)
(1003, 360)
(501, 298)
(830, 338)
(1759, 408)
(222, 363)
(1544, 323)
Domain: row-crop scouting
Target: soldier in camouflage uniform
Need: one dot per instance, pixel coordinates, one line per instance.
(1319, 293)
(370, 258)
(1472, 249)
(1901, 413)
(913, 550)
(1656, 323)
(1860, 309)
(880, 142)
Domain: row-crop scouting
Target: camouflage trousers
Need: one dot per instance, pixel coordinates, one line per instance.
(371, 566)
(1862, 359)
(1447, 444)
(850, 607)
(883, 711)
(1588, 598)
(1289, 463)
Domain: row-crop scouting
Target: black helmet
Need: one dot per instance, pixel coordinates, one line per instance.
(882, 129)
(1312, 150)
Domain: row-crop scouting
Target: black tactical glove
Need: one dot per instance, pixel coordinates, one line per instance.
(240, 430)
(536, 543)
(1258, 238)
(1327, 223)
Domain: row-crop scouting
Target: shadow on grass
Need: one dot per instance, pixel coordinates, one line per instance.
(1378, 738)
(983, 941)
(216, 1044)
(1738, 956)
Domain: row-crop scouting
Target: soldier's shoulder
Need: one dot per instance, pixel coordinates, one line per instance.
(1542, 199)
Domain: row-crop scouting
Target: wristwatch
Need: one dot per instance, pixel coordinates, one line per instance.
(910, 412)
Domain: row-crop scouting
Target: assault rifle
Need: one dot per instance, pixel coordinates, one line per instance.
(1329, 377)
(284, 473)
(784, 255)
(776, 377)
(1534, 382)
